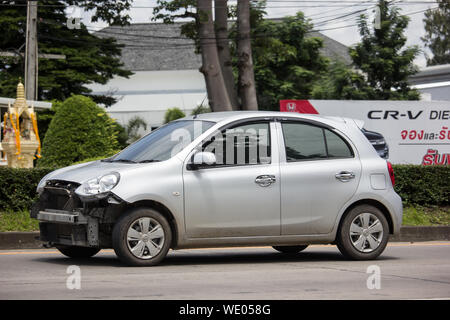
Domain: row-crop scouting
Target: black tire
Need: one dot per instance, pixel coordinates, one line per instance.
(343, 239)
(77, 252)
(290, 249)
(120, 242)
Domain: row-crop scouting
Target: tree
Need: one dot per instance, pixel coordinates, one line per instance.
(76, 136)
(214, 47)
(381, 55)
(246, 89)
(223, 47)
(287, 61)
(89, 59)
(173, 114)
(201, 29)
(342, 83)
(211, 68)
(437, 33)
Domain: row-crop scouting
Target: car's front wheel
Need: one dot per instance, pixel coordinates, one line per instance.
(363, 234)
(142, 237)
(77, 252)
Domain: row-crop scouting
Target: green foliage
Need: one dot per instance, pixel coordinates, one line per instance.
(173, 114)
(79, 130)
(200, 109)
(18, 187)
(341, 82)
(89, 58)
(287, 61)
(437, 33)
(423, 185)
(168, 11)
(122, 136)
(18, 221)
(382, 57)
(425, 216)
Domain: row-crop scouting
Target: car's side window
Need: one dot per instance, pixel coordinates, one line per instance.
(243, 144)
(336, 147)
(308, 142)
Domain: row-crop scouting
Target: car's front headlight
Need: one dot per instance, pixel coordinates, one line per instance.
(98, 185)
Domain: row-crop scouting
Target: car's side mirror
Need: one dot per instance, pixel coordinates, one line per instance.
(201, 159)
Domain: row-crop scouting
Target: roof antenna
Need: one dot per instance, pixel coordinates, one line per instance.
(201, 105)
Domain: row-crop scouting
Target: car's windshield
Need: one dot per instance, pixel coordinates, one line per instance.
(163, 143)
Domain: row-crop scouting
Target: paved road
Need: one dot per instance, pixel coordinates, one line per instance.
(420, 270)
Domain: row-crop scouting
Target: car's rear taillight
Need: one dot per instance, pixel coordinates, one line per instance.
(391, 172)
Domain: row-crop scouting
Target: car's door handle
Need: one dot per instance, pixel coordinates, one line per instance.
(345, 176)
(265, 180)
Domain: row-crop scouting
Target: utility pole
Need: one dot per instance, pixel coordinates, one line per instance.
(31, 52)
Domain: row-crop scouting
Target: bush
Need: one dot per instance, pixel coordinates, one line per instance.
(122, 136)
(423, 185)
(18, 187)
(173, 114)
(200, 109)
(79, 130)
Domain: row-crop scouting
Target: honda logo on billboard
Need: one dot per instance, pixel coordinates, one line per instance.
(291, 106)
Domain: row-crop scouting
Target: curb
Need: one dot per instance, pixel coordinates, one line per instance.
(19, 240)
(29, 240)
(422, 233)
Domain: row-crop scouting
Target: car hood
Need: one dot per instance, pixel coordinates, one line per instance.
(82, 172)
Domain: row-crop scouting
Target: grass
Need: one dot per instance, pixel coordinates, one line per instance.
(412, 216)
(426, 216)
(17, 221)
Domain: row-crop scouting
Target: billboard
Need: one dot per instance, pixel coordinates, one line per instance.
(417, 132)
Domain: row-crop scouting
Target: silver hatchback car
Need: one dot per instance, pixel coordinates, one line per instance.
(226, 179)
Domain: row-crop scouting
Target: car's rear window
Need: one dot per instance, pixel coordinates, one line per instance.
(307, 142)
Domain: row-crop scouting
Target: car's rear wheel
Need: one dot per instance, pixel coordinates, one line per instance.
(290, 249)
(363, 234)
(142, 237)
(77, 252)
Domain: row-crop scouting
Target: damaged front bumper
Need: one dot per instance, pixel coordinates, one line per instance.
(66, 219)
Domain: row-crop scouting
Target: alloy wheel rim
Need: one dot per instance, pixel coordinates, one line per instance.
(145, 238)
(366, 232)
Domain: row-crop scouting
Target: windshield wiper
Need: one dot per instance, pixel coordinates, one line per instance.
(148, 161)
(122, 160)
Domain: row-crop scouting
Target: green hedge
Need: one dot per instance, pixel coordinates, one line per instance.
(18, 187)
(423, 185)
(415, 184)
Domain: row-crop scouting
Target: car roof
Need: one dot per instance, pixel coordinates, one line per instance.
(228, 116)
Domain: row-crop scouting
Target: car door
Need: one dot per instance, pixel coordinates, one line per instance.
(319, 171)
(239, 196)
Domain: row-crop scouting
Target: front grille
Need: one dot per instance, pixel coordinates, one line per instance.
(58, 195)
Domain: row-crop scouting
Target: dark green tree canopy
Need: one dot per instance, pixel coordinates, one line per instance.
(382, 57)
(75, 136)
(89, 59)
(340, 82)
(287, 60)
(437, 33)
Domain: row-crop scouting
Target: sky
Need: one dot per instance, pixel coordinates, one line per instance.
(336, 19)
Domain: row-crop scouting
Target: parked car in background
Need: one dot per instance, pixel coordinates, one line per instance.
(285, 180)
(378, 142)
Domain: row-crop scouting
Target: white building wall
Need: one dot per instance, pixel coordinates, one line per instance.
(148, 94)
